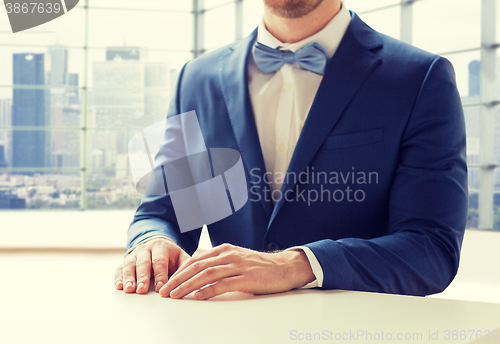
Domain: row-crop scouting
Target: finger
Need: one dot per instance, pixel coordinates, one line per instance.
(143, 271)
(160, 261)
(119, 278)
(183, 257)
(207, 276)
(225, 285)
(175, 262)
(128, 270)
(214, 252)
(188, 262)
(180, 277)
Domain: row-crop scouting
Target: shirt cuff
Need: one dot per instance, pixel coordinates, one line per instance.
(145, 240)
(315, 266)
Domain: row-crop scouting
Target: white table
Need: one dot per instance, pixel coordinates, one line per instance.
(68, 298)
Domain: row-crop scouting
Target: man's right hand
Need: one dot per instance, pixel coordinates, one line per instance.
(161, 256)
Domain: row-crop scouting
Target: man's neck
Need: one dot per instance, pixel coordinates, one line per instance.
(292, 30)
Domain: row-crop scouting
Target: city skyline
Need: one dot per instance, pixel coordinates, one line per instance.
(56, 101)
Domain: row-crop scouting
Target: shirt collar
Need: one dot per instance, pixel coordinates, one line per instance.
(329, 37)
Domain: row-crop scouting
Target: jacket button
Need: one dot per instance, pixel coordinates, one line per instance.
(272, 246)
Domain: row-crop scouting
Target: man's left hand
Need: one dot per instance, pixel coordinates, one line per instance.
(227, 268)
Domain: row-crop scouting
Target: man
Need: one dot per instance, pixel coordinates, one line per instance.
(315, 90)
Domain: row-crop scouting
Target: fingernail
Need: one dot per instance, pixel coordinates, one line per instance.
(159, 285)
(174, 292)
(118, 283)
(141, 285)
(198, 295)
(163, 291)
(128, 285)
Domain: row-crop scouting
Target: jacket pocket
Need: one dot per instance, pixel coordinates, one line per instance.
(357, 139)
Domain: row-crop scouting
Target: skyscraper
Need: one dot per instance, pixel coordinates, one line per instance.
(472, 121)
(6, 121)
(127, 92)
(3, 161)
(474, 78)
(126, 53)
(31, 108)
(58, 65)
(128, 89)
(65, 109)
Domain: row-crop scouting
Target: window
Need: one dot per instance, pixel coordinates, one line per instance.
(71, 99)
(76, 97)
(465, 32)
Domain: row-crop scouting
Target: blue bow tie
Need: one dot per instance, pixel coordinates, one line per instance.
(311, 57)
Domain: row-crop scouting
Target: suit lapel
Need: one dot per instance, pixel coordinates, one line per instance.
(234, 82)
(344, 75)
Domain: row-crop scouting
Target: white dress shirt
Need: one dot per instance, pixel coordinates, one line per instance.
(281, 102)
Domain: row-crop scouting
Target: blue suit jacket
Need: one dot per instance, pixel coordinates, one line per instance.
(383, 106)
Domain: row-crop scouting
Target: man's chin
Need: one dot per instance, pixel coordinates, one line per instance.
(292, 8)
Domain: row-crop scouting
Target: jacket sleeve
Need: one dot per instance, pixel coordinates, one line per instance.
(155, 215)
(427, 208)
